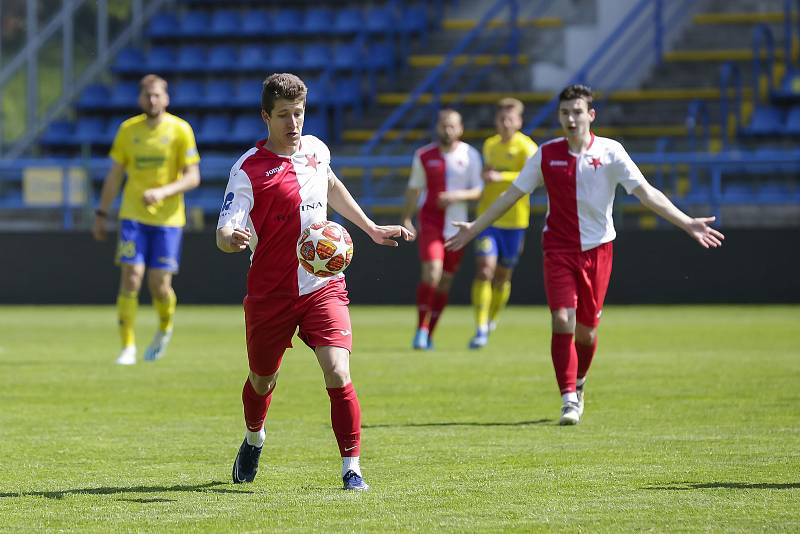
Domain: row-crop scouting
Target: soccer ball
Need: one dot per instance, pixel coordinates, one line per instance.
(325, 249)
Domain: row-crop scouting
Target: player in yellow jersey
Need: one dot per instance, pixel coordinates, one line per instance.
(498, 248)
(158, 153)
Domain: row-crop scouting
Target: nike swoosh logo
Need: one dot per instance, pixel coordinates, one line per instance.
(350, 448)
(344, 333)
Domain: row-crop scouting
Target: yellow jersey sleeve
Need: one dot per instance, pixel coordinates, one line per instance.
(508, 159)
(154, 157)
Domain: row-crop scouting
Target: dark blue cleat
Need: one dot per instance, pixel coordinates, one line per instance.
(245, 466)
(354, 482)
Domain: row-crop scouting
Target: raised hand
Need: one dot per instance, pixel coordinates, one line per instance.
(704, 234)
(383, 235)
(460, 240)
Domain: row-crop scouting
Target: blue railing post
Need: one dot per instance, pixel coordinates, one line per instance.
(762, 40)
(729, 73)
(716, 192)
(31, 88)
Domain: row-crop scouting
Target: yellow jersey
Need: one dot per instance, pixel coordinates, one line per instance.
(153, 157)
(507, 158)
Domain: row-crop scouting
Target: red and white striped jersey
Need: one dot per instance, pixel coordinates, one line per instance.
(580, 190)
(434, 171)
(276, 197)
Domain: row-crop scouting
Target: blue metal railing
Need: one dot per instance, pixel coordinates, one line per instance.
(36, 121)
(763, 54)
(718, 167)
(436, 82)
(613, 61)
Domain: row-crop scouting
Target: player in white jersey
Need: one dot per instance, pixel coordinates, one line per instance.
(580, 173)
(276, 189)
(448, 173)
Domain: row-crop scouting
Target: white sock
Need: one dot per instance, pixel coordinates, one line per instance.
(569, 397)
(351, 463)
(256, 439)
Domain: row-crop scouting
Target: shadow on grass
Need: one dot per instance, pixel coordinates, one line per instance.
(147, 501)
(211, 487)
(679, 486)
(467, 423)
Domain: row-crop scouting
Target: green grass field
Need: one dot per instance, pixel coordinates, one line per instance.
(692, 424)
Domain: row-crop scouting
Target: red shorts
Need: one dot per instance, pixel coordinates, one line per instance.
(322, 316)
(431, 247)
(579, 280)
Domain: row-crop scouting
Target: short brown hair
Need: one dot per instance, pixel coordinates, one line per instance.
(510, 104)
(571, 92)
(152, 79)
(283, 85)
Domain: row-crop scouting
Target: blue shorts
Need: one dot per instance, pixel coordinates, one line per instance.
(158, 247)
(504, 243)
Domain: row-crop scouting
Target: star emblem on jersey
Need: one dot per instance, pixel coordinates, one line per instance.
(595, 162)
(311, 161)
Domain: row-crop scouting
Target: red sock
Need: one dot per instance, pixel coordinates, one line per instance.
(424, 297)
(565, 361)
(585, 355)
(346, 419)
(437, 307)
(255, 407)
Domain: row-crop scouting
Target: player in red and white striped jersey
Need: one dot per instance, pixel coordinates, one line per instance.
(448, 173)
(580, 173)
(276, 189)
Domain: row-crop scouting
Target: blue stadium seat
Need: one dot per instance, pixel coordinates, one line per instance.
(349, 92)
(129, 61)
(256, 23)
(287, 21)
(222, 58)
(766, 121)
(284, 57)
(381, 20)
(247, 129)
(162, 59)
(90, 130)
(773, 193)
(112, 125)
(219, 93)
(318, 21)
(316, 56)
(248, 93)
(194, 24)
(95, 96)
(348, 56)
(187, 93)
(793, 121)
(192, 59)
(254, 57)
(414, 19)
(320, 92)
(215, 129)
(348, 21)
(58, 134)
(124, 95)
(225, 23)
(737, 194)
(162, 25)
(316, 124)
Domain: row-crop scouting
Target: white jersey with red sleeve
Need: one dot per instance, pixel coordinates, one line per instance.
(434, 171)
(276, 197)
(580, 190)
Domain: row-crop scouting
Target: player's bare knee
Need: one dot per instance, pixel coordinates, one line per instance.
(563, 320)
(263, 384)
(485, 273)
(585, 335)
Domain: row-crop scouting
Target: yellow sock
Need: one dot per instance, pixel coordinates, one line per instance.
(481, 298)
(166, 310)
(499, 299)
(127, 303)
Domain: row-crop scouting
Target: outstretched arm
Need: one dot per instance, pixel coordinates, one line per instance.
(697, 228)
(109, 192)
(340, 199)
(468, 230)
